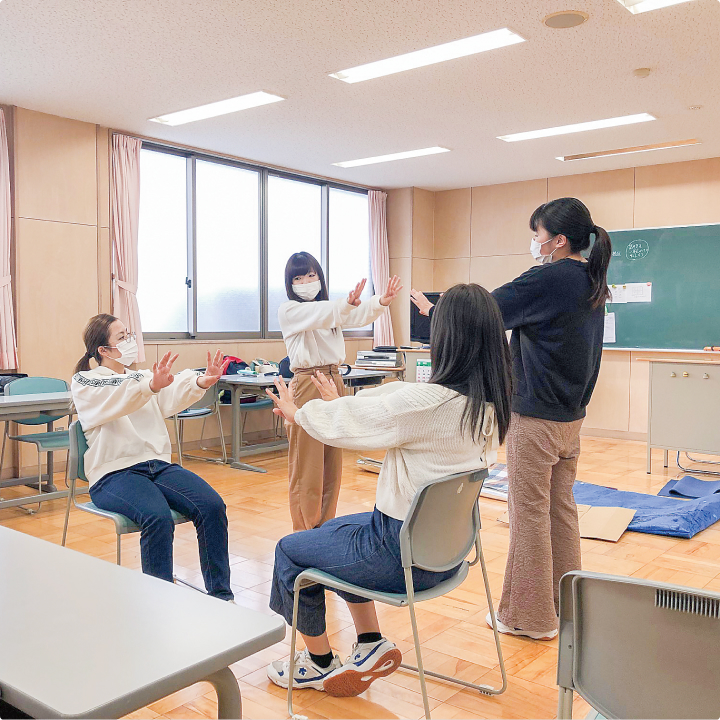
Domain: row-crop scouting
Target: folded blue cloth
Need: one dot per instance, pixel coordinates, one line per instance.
(654, 515)
(690, 487)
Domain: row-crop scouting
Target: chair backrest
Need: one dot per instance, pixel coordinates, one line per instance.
(208, 400)
(635, 648)
(78, 448)
(443, 522)
(36, 386)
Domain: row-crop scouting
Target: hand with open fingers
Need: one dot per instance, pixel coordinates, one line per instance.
(216, 367)
(328, 390)
(284, 406)
(421, 302)
(393, 288)
(354, 295)
(162, 372)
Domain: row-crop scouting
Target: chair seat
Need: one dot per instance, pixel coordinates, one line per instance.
(123, 524)
(47, 441)
(394, 599)
(195, 413)
(257, 405)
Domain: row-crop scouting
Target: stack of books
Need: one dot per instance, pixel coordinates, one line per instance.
(377, 359)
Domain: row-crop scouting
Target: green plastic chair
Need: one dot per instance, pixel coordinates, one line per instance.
(76, 471)
(440, 530)
(44, 442)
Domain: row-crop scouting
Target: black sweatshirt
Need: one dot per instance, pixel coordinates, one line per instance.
(556, 341)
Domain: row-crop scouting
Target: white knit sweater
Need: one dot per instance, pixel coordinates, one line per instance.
(123, 419)
(313, 330)
(418, 424)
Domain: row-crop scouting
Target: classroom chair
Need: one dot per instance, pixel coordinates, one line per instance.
(635, 648)
(44, 442)
(440, 530)
(207, 406)
(76, 471)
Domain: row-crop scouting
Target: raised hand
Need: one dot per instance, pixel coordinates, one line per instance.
(354, 295)
(284, 406)
(162, 372)
(328, 390)
(393, 288)
(216, 367)
(421, 302)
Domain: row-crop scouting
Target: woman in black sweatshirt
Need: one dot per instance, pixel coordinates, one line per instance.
(556, 314)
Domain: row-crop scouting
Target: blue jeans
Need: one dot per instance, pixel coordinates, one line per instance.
(145, 493)
(363, 549)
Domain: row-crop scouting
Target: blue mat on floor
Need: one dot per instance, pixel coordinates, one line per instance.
(655, 515)
(690, 487)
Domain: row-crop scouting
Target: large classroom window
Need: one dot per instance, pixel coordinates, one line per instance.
(214, 237)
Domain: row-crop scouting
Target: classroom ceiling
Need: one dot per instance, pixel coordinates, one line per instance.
(120, 62)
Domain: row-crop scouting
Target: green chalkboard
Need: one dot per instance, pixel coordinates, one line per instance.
(683, 265)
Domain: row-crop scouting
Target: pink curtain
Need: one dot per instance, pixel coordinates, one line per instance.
(8, 341)
(380, 262)
(125, 216)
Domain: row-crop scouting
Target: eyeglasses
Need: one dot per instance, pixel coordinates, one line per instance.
(126, 336)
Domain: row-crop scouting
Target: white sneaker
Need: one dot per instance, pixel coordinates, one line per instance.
(502, 628)
(307, 673)
(367, 662)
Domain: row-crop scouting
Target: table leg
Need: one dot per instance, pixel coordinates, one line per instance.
(237, 435)
(649, 459)
(228, 694)
(665, 458)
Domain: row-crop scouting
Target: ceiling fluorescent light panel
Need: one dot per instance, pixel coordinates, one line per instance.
(393, 156)
(578, 127)
(223, 107)
(430, 56)
(641, 6)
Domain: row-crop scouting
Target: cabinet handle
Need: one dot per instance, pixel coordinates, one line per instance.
(686, 374)
(673, 375)
(706, 376)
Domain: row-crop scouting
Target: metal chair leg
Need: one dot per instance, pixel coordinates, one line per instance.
(293, 642)
(118, 550)
(222, 434)
(409, 588)
(565, 702)
(178, 441)
(71, 494)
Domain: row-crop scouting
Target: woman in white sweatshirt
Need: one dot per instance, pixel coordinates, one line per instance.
(128, 459)
(312, 327)
(451, 424)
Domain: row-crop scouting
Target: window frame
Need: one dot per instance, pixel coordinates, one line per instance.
(264, 172)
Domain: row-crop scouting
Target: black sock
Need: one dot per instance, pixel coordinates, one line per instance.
(322, 661)
(369, 637)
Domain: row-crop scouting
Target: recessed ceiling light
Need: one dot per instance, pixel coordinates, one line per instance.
(640, 6)
(628, 150)
(393, 156)
(223, 107)
(565, 19)
(430, 56)
(578, 127)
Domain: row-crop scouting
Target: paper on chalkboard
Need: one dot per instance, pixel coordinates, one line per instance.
(618, 294)
(639, 292)
(609, 334)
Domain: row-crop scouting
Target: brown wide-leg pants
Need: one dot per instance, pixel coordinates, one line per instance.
(542, 460)
(314, 469)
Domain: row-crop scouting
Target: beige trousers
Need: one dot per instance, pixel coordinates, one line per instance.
(542, 460)
(314, 469)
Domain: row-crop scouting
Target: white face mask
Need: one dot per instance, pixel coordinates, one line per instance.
(535, 251)
(307, 291)
(128, 351)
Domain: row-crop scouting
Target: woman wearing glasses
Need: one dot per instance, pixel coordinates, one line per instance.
(127, 463)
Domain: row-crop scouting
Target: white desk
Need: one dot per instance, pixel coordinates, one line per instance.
(26, 407)
(122, 639)
(257, 385)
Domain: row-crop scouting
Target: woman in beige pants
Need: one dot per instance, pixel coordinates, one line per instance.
(312, 327)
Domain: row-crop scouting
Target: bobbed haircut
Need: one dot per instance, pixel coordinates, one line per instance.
(301, 264)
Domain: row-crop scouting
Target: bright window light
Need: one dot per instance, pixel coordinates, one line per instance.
(629, 150)
(578, 127)
(430, 56)
(640, 6)
(393, 156)
(223, 107)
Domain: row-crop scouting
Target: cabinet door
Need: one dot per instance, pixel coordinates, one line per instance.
(685, 409)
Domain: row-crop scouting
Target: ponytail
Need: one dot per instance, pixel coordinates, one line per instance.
(95, 336)
(598, 266)
(570, 217)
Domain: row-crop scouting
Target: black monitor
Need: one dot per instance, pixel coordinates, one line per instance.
(420, 324)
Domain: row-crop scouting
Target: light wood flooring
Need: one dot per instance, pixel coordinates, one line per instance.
(454, 636)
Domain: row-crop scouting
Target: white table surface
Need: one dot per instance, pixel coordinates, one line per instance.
(116, 640)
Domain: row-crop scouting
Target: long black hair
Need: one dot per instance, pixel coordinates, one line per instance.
(301, 264)
(570, 217)
(469, 353)
(95, 336)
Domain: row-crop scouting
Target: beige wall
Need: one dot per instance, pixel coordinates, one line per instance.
(481, 235)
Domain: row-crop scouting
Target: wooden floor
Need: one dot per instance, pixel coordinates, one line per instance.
(454, 636)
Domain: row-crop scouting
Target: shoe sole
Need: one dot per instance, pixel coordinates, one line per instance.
(353, 682)
(520, 633)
